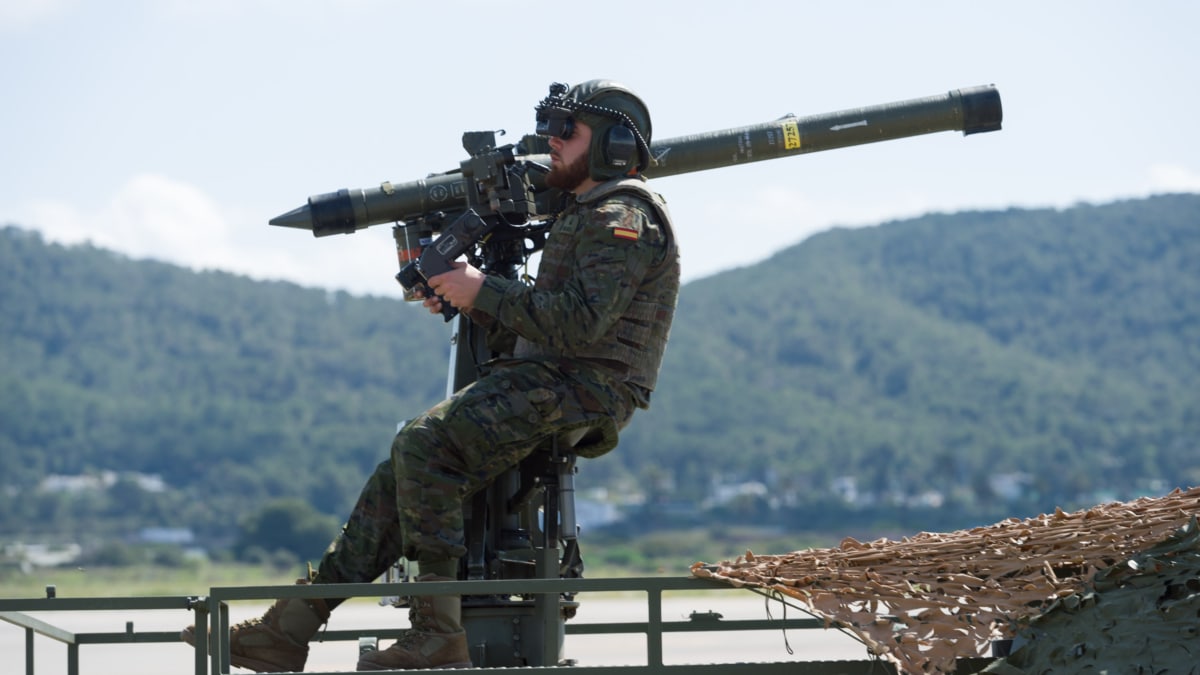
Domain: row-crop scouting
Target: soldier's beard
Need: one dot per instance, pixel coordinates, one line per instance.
(570, 176)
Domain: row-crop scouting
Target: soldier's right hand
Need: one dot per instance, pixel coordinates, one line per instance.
(433, 303)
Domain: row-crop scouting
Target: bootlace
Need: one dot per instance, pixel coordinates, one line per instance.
(419, 607)
(408, 640)
(267, 619)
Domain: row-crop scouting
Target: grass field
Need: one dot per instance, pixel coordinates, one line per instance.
(148, 580)
(660, 554)
(138, 580)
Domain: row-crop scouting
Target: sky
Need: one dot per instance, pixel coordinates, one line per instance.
(174, 129)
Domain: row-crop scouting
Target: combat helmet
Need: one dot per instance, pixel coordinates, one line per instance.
(619, 120)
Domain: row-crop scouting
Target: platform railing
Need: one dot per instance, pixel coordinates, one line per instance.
(15, 612)
(212, 648)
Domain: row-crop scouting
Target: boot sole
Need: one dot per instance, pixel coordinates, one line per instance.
(448, 666)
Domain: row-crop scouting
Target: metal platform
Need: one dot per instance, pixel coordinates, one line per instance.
(213, 610)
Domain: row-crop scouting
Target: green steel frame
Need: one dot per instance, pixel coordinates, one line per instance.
(13, 612)
(213, 610)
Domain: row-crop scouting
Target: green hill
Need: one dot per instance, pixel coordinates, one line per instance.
(232, 391)
(1055, 348)
(939, 371)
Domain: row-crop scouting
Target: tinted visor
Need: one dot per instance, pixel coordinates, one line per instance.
(555, 122)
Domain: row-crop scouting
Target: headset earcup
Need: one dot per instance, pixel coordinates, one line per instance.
(620, 148)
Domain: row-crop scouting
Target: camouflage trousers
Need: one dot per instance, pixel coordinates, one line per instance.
(412, 505)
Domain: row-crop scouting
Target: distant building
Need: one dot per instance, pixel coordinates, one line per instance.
(101, 481)
(29, 556)
(166, 535)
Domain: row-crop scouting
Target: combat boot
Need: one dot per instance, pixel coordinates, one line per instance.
(277, 642)
(435, 640)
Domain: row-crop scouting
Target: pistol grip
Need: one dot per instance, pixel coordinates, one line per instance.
(448, 310)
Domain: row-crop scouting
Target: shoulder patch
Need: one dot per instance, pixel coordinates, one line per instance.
(626, 233)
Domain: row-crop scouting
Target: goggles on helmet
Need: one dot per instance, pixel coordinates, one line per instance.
(555, 122)
(556, 114)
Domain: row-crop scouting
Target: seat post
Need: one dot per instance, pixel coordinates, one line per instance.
(523, 526)
(560, 501)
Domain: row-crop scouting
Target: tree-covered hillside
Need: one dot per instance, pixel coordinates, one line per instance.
(232, 391)
(1012, 360)
(938, 371)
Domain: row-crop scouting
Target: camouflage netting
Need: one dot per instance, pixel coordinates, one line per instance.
(927, 600)
(1140, 616)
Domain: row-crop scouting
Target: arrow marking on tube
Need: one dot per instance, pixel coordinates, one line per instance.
(839, 127)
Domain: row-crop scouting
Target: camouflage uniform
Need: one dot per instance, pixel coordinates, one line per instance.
(587, 341)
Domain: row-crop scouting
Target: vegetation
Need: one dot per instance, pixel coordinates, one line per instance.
(133, 569)
(926, 374)
(138, 579)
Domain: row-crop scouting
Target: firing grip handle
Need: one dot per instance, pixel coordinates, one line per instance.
(412, 278)
(457, 238)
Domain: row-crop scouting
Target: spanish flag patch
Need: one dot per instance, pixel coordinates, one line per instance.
(625, 233)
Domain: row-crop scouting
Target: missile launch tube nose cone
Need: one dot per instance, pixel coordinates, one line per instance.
(981, 109)
(300, 218)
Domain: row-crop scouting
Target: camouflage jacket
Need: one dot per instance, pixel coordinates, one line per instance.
(606, 287)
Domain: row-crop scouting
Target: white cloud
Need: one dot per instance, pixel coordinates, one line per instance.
(156, 217)
(150, 216)
(1173, 178)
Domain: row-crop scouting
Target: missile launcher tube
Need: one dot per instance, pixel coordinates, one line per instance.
(970, 110)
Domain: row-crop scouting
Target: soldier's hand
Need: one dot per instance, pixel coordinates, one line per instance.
(459, 287)
(433, 303)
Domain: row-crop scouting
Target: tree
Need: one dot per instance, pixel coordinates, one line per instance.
(290, 525)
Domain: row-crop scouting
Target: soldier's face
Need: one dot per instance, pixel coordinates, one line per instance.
(568, 158)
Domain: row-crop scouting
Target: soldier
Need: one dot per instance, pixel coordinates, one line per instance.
(582, 349)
